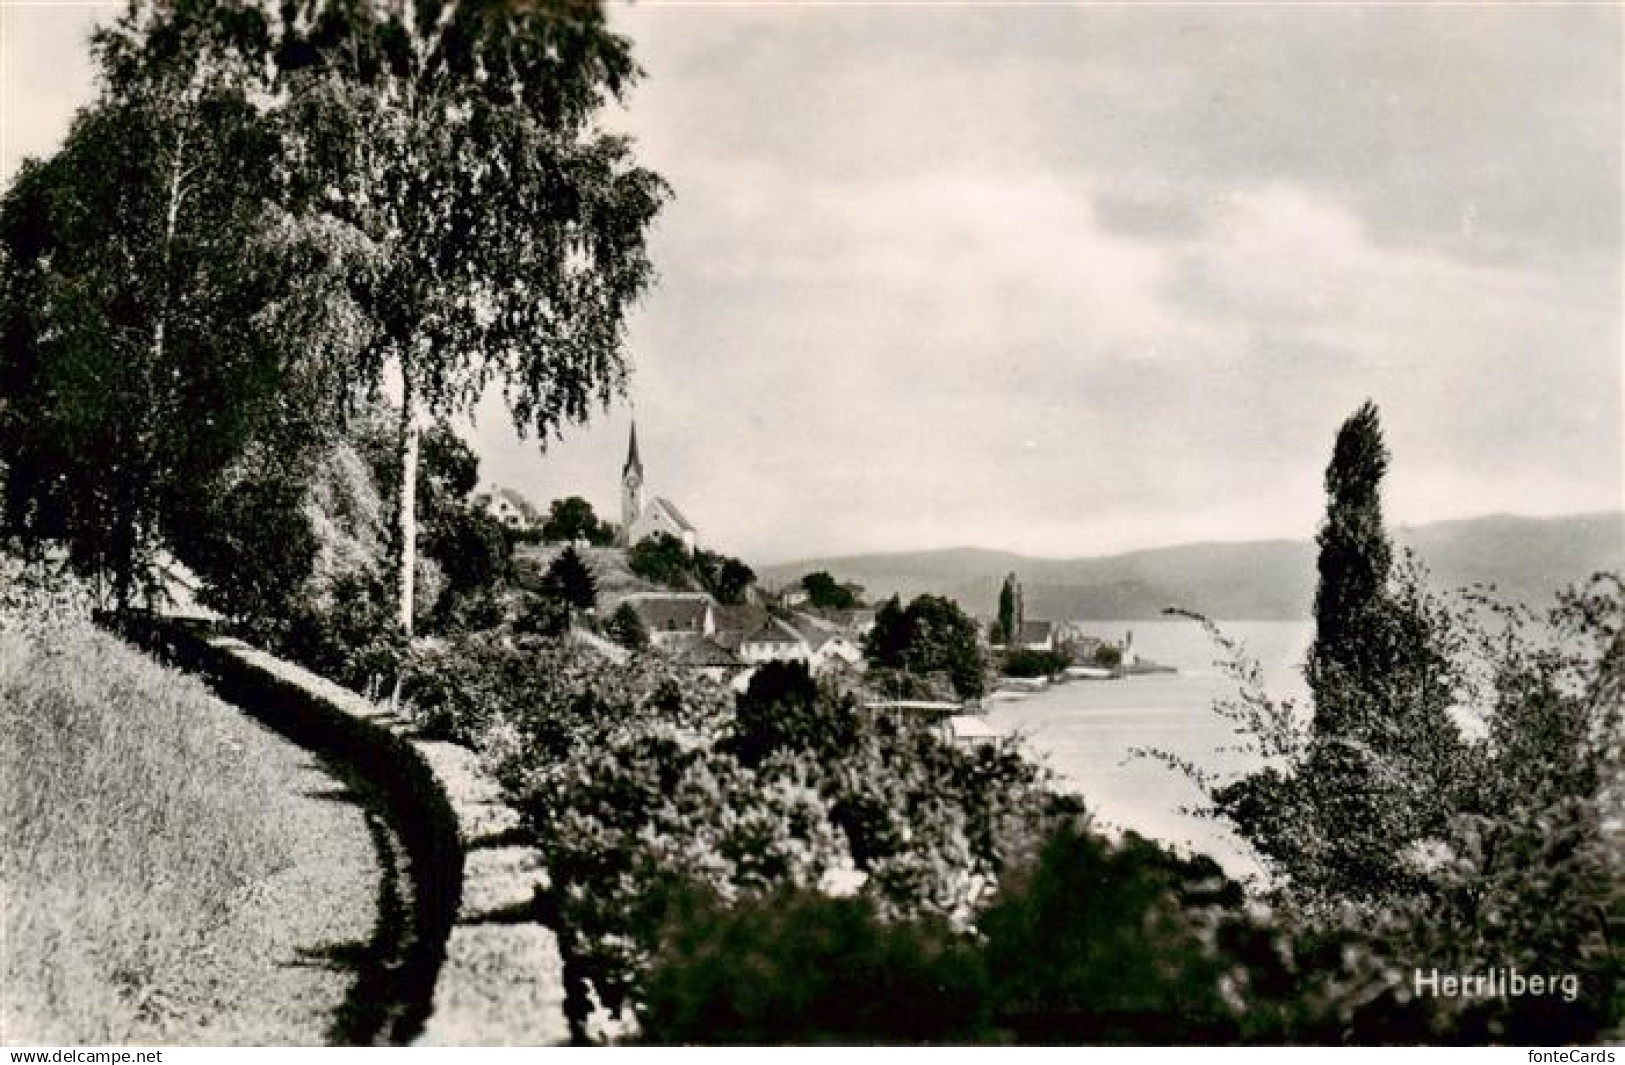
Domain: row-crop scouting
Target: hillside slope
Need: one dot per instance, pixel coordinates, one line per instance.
(1527, 559)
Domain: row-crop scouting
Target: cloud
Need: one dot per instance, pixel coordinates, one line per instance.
(975, 357)
(1077, 279)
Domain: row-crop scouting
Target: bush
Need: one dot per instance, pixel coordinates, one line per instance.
(624, 772)
(1520, 863)
(355, 641)
(1109, 943)
(782, 710)
(1023, 663)
(663, 559)
(797, 967)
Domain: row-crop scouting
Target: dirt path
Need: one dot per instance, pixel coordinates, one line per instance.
(283, 967)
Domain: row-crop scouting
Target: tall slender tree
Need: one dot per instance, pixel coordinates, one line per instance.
(457, 138)
(1354, 564)
(1383, 765)
(1004, 630)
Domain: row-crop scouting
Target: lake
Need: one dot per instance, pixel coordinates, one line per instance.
(1086, 730)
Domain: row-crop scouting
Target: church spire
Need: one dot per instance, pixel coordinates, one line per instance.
(632, 460)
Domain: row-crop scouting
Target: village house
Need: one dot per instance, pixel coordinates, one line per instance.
(828, 645)
(704, 655)
(1035, 636)
(510, 508)
(858, 622)
(672, 618)
(774, 641)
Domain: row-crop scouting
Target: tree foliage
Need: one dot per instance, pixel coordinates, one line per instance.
(797, 967)
(1383, 763)
(627, 629)
(931, 635)
(572, 519)
(824, 592)
(727, 578)
(167, 337)
(569, 580)
(458, 141)
(1004, 627)
(663, 559)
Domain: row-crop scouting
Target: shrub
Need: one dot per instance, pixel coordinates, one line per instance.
(798, 967)
(1023, 663)
(354, 640)
(782, 710)
(1520, 865)
(625, 772)
(1109, 943)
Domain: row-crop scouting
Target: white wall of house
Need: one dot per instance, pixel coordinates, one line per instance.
(774, 651)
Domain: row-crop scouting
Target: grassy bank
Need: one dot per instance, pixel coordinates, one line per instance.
(154, 854)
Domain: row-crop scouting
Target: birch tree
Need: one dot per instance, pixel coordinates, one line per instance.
(131, 358)
(458, 139)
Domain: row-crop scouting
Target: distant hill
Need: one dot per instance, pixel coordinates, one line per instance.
(1527, 559)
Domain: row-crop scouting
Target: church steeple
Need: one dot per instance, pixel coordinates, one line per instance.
(633, 463)
(631, 489)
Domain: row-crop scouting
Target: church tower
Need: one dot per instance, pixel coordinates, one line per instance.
(631, 489)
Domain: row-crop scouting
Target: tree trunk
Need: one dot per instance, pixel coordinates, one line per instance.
(408, 498)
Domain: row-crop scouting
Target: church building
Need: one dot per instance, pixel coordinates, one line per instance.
(639, 521)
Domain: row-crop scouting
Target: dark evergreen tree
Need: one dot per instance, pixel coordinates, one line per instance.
(1004, 629)
(627, 629)
(570, 581)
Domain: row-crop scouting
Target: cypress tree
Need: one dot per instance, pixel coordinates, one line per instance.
(1354, 566)
(1005, 631)
(1384, 763)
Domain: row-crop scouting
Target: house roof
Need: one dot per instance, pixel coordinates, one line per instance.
(741, 617)
(775, 631)
(671, 613)
(971, 727)
(1035, 631)
(698, 651)
(676, 515)
(816, 632)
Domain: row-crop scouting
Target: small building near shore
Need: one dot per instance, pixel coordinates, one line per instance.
(1036, 636)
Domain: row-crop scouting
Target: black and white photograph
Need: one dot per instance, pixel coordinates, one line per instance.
(784, 523)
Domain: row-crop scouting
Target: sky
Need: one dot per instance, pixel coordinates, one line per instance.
(1077, 279)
